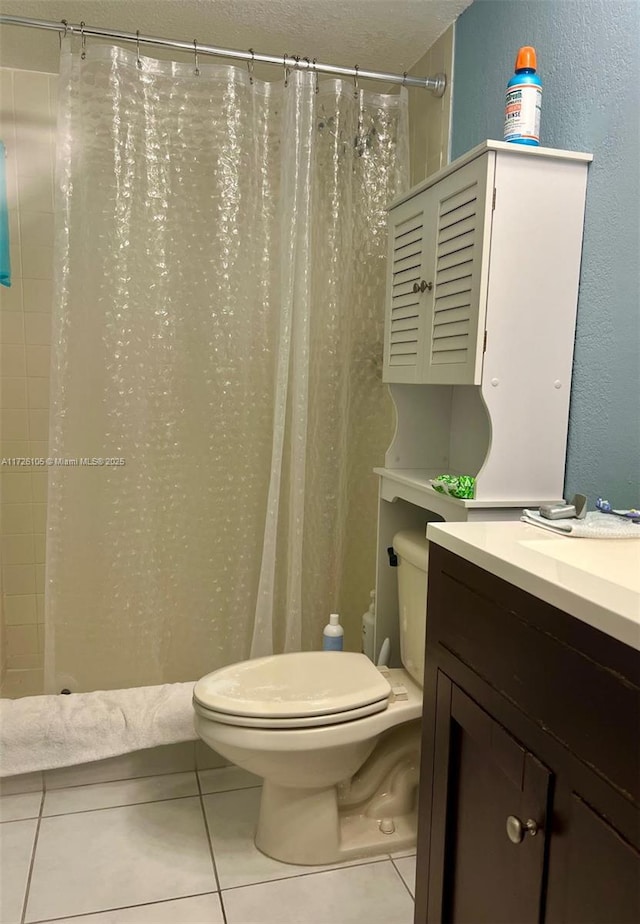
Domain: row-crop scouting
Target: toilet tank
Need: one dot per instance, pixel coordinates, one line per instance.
(412, 549)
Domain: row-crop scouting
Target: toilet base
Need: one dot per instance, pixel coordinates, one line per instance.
(374, 812)
(306, 827)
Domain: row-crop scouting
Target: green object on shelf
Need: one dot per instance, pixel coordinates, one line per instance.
(460, 486)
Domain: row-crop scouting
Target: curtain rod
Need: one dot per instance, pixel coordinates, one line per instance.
(436, 85)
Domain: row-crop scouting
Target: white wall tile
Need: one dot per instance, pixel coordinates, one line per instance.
(14, 448)
(21, 640)
(22, 682)
(19, 579)
(40, 548)
(38, 393)
(31, 661)
(37, 262)
(16, 518)
(14, 424)
(11, 299)
(17, 549)
(37, 294)
(38, 424)
(11, 328)
(13, 392)
(13, 362)
(35, 194)
(37, 328)
(38, 359)
(15, 488)
(34, 158)
(39, 513)
(39, 486)
(36, 229)
(20, 609)
(31, 96)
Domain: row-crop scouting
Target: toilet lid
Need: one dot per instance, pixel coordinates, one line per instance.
(308, 683)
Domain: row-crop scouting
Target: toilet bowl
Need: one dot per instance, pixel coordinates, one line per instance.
(335, 738)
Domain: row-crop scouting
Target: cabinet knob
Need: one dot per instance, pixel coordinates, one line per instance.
(422, 286)
(516, 829)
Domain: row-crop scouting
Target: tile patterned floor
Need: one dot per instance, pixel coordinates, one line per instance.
(176, 849)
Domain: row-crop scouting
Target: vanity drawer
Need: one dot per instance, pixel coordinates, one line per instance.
(576, 683)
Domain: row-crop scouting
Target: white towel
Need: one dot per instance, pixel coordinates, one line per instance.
(595, 525)
(44, 732)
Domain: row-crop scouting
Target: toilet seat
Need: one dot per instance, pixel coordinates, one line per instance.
(298, 690)
(310, 721)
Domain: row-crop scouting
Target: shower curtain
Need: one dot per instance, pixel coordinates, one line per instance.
(216, 405)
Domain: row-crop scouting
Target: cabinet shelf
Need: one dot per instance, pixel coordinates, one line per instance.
(417, 481)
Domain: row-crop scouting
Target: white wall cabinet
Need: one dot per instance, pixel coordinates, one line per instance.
(439, 241)
(482, 291)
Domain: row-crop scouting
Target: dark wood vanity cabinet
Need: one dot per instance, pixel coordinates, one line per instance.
(530, 780)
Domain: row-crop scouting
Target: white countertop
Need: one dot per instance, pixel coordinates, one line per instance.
(595, 580)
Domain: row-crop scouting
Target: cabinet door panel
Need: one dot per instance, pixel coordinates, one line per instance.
(603, 875)
(460, 211)
(485, 878)
(410, 236)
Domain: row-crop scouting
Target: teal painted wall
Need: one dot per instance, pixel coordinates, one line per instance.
(588, 58)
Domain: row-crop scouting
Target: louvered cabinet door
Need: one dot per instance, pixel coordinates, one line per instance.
(411, 240)
(456, 305)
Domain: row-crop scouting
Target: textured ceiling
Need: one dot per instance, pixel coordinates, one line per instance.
(388, 35)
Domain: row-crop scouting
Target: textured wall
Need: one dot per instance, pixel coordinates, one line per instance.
(588, 60)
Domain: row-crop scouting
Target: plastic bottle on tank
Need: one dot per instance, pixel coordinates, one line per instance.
(333, 635)
(524, 100)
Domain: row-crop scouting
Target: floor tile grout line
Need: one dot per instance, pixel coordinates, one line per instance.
(104, 808)
(87, 914)
(411, 895)
(13, 821)
(211, 853)
(314, 871)
(120, 779)
(32, 861)
(125, 779)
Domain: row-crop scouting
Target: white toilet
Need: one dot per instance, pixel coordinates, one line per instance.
(336, 739)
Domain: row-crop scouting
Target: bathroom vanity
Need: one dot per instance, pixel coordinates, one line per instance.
(530, 777)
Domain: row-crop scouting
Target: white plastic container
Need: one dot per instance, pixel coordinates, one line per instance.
(333, 634)
(369, 628)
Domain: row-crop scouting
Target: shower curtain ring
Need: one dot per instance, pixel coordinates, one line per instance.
(355, 82)
(286, 69)
(404, 79)
(315, 71)
(138, 61)
(63, 35)
(195, 55)
(83, 41)
(250, 65)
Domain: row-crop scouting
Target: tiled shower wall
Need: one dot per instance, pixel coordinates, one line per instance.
(430, 116)
(27, 128)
